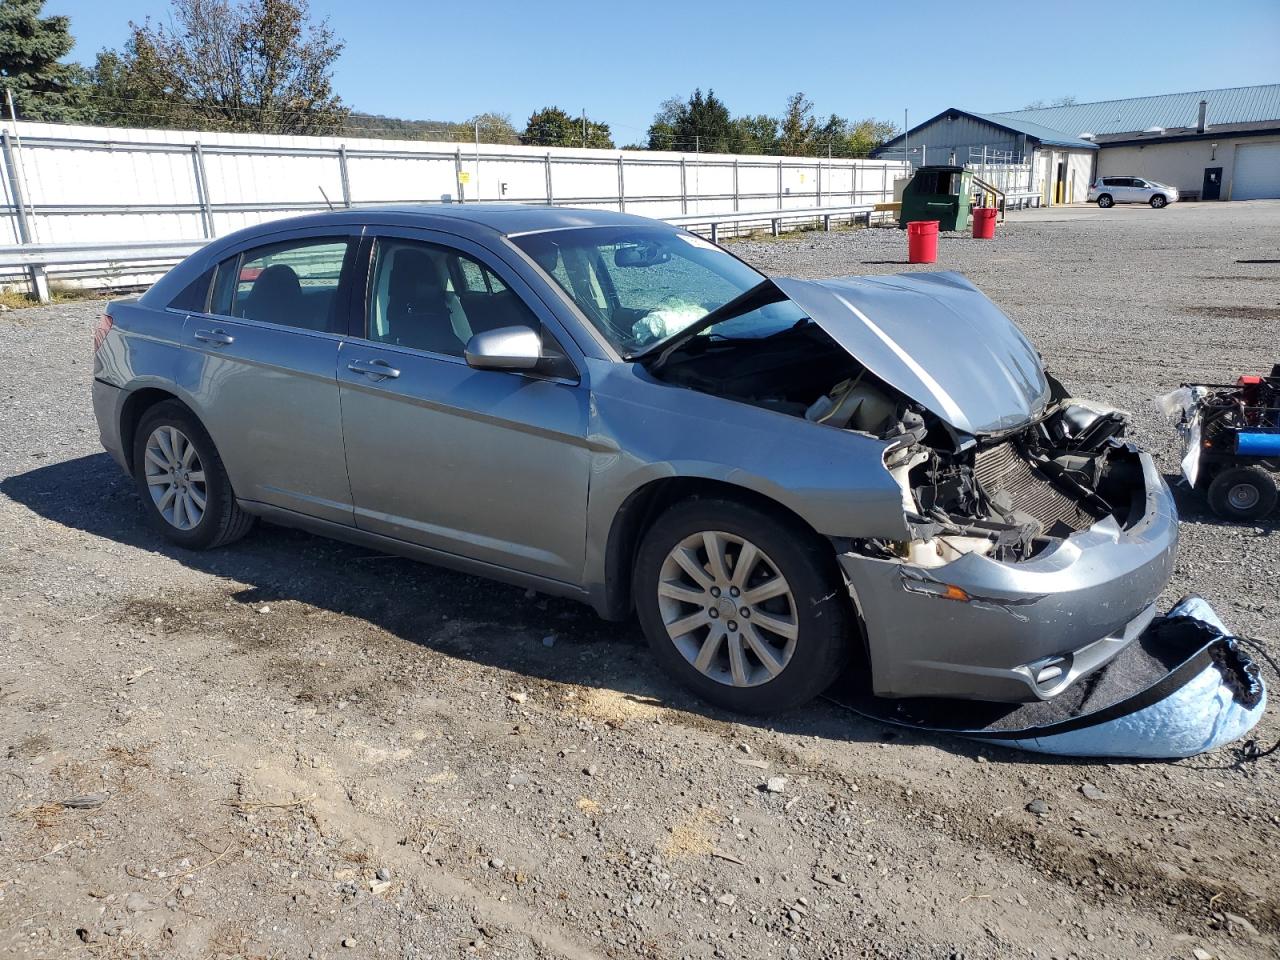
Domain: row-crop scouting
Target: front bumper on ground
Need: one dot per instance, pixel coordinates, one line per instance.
(1028, 630)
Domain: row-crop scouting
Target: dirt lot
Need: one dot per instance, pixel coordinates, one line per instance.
(294, 748)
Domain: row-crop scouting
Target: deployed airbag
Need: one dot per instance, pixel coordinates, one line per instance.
(1184, 687)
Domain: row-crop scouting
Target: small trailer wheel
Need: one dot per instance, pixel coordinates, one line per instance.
(1243, 493)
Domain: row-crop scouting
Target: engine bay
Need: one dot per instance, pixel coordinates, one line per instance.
(1006, 495)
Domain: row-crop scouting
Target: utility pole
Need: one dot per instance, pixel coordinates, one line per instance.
(584, 128)
(477, 158)
(906, 139)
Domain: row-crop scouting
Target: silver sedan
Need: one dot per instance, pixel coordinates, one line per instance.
(778, 476)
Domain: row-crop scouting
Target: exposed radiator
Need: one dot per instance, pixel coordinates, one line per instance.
(1004, 468)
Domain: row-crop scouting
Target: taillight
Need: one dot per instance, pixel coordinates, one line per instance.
(101, 330)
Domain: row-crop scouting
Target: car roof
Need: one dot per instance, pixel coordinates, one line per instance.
(508, 219)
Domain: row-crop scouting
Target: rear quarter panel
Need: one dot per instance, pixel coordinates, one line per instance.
(141, 350)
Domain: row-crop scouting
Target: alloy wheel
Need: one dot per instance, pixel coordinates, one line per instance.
(728, 609)
(175, 477)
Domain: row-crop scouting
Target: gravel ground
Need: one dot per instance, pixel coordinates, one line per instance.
(294, 748)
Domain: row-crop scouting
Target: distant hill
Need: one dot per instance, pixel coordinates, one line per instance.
(360, 124)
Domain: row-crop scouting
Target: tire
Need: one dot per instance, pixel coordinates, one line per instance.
(1106, 201)
(1158, 201)
(1243, 493)
(814, 609)
(168, 429)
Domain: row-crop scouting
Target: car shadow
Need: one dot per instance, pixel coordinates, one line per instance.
(547, 639)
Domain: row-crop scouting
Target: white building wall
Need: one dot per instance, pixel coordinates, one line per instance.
(1180, 164)
(1079, 173)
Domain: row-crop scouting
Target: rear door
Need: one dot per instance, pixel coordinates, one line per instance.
(491, 465)
(260, 366)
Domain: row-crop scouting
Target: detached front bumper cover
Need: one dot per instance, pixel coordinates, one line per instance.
(1186, 687)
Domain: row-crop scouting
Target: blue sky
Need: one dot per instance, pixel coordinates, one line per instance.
(619, 59)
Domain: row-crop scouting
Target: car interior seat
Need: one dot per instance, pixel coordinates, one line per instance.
(418, 314)
(276, 297)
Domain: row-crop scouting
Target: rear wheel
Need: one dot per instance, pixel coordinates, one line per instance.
(182, 482)
(745, 608)
(1158, 201)
(1243, 493)
(1105, 201)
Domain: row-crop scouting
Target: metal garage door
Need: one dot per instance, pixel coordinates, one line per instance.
(1257, 174)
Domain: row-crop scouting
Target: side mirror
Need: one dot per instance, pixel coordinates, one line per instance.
(506, 348)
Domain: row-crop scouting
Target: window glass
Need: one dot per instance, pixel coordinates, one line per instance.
(434, 298)
(195, 295)
(294, 283)
(641, 285)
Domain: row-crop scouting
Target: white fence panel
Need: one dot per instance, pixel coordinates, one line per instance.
(75, 184)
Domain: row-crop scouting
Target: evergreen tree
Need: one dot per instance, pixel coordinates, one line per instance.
(552, 127)
(31, 50)
(701, 123)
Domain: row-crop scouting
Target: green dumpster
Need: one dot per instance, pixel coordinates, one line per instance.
(938, 193)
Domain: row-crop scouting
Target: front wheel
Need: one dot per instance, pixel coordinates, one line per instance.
(1243, 493)
(1105, 201)
(744, 607)
(1158, 201)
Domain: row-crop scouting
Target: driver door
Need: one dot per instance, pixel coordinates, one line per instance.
(490, 465)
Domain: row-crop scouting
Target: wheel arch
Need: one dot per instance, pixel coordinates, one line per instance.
(639, 509)
(135, 407)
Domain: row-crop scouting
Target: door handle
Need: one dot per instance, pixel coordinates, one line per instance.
(374, 368)
(219, 338)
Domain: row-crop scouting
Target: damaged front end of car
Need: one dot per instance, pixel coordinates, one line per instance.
(1018, 605)
(1036, 540)
(1033, 558)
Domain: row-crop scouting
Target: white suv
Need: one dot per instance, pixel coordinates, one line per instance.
(1108, 191)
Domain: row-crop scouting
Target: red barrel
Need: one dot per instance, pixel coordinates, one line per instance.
(984, 223)
(922, 241)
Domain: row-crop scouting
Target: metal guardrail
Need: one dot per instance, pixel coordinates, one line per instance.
(36, 259)
(774, 217)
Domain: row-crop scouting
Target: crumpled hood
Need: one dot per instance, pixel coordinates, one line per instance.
(936, 338)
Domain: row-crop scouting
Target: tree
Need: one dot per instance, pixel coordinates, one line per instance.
(838, 137)
(31, 48)
(552, 127)
(494, 128)
(757, 134)
(259, 65)
(700, 123)
(797, 127)
(1066, 101)
(662, 131)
